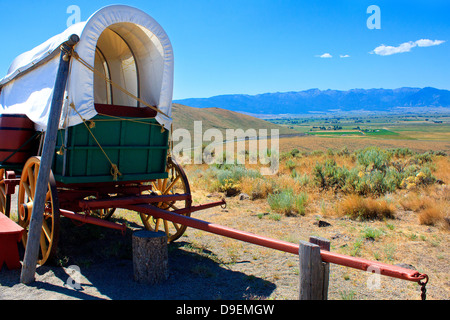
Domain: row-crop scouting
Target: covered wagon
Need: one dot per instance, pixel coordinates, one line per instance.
(113, 141)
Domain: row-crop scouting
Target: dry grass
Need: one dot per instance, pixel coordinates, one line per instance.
(312, 143)
(414, 201)
(434, 216)
(431, 205)
(360, 208)
(256, 188)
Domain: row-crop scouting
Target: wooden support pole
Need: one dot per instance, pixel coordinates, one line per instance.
(314, 273)
(35, 229)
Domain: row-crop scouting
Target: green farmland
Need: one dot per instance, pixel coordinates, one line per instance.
(388, 126)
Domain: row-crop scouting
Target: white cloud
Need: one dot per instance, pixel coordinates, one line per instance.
(325, 55)
(384, 50)
(428, 42)
(344, 56)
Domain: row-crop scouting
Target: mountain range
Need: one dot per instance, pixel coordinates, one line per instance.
(324, 101)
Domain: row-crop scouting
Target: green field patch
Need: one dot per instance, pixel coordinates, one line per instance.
(380, 132)
(336, 133)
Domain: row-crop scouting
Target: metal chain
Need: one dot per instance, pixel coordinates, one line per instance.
(423, 288)
(423, 295)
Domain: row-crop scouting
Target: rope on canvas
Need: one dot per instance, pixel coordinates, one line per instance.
(98, 73)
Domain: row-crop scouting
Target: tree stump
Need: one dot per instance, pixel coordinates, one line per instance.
(150, 257)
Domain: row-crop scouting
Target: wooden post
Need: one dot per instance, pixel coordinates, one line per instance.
(35, 229)
(324, 244)
(313, 272)
(150, 257)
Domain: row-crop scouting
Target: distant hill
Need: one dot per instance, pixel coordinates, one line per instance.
(322, 101)
(184, 117)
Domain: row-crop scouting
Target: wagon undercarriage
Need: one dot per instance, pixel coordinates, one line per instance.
(96, 203)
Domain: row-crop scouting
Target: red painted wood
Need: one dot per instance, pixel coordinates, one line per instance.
(16, 121)
(10, 234)
(123, 111)
(15, 131)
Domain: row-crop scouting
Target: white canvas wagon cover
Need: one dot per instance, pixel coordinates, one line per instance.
(123, 44)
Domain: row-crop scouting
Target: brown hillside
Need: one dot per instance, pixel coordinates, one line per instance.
(184, 117)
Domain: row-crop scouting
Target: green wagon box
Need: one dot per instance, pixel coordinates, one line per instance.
(85, 152)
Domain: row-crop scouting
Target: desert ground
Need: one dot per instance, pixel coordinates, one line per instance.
(204, 266)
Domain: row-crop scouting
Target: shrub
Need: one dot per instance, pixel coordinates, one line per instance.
(374, 175)
(287, 202)
(414, 178)
(295, 152)
(401, 152)
(372, 158)
(228, 178)
(343, 152)
(290, 164)
(300, 203)
(302, 179)
(423, 158)
(329, 175)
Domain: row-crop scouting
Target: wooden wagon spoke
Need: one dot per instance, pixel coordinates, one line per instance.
(171, 185)
(46, 231)
(43, 243)
(157, 224)
(35, 174)
(31, 180)
(160, 183)
(163, 187)
(176, 225)
(166, 228)
(26, 187)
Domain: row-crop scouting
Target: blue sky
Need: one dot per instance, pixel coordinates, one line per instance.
(258, 46)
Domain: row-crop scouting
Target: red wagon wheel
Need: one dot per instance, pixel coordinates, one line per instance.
(5, 199)
(176, 183)
(50, 224)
